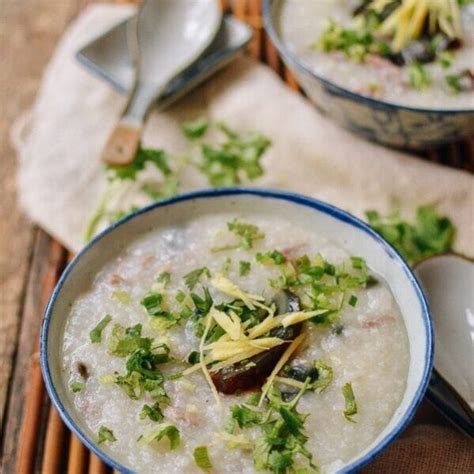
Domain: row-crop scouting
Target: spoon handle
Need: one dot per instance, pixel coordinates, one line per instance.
(124, 140)
(122, 145)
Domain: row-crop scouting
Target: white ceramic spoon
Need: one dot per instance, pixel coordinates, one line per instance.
(448, 281)
(166, 37)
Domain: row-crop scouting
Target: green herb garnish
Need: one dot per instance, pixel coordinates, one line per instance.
(352, 300)
(273, 256)
(96, 334)
(247, 234)
(123, 342)
(325, 376)
(153, 303)
(356, 43)
(180, 296)
(283, 435)
(166, 431)
(430, 234)
(77, 386)
(191, 279)
(321, 285)
(226, 266)
(245, 415)
(144, 374)
(419, 77)
(106, 435)
(201, 458)
(193, 357)
(244, 268)
(350, 402)
(152, 412)
(235, 160)
(158, 158)
(122, 296)
(195, 129)
(445, 59)
(164, 278)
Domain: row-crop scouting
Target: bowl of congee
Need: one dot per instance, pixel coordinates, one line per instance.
(399, 72)
(237, 331)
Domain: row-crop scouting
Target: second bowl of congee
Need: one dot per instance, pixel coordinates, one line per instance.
(237, 332)
(397, 71)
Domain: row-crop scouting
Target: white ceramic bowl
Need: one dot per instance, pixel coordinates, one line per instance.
(341, 227)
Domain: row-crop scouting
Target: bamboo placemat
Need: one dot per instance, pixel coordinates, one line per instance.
(35, 439)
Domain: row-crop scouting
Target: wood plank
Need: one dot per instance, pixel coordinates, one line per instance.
(77, 461)
(254, 19)
(54, 453)
(96, 466)
(26, 390)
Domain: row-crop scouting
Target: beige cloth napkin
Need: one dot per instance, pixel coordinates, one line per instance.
(61, 179)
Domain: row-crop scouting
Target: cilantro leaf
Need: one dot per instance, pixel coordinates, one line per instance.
(159, 158)
(202, 304)
(143, 372)
(244, 268)
(430, 234)
(325, 375)
(152, 412)
(96, 333)
(164, 278)
(226, 266)
(247, 233)
(158, 191)
(168, 431)
(195, 129)
(77, 386)
(273, 256)
(352, 300)
(419, 77)
(356, 43)
(281, 427)
(238, 158)
(350, 402)
(123, 342)
(191, 279)
(201, 458)
(122, 296)
(153, 303)
(180, 296)
(145, 362)
(106, 435)
(245, 416)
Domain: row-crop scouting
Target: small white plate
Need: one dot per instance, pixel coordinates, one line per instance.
(108, 57)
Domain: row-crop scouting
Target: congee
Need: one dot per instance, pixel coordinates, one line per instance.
(237, 344)
(408, 52)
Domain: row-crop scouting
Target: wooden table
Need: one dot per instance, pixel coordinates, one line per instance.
(33, 437)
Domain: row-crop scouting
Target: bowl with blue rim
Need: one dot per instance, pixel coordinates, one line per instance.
(344, 229)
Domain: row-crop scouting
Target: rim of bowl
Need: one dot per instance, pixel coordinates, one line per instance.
(299, 63)
(294, 198)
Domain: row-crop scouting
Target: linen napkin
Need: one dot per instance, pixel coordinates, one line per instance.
(61, 178)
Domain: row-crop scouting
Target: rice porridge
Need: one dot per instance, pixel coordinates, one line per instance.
(399, 51)
(235, 344)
